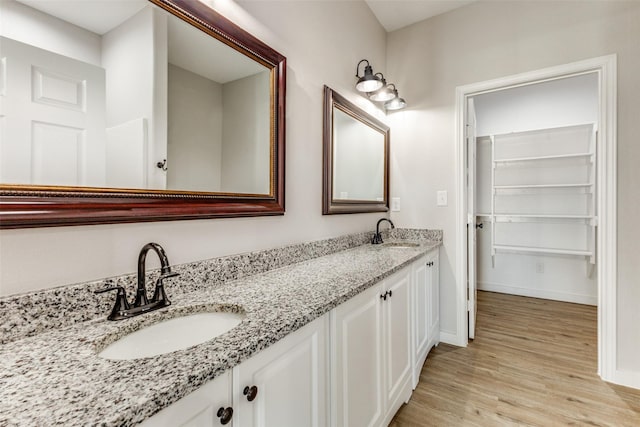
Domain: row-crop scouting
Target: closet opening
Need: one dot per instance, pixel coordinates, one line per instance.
(536, 213)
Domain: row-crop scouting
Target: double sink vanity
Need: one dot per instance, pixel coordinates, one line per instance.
(326, 333)
(332, 332)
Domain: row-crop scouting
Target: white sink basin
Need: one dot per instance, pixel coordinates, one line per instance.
(171, 335)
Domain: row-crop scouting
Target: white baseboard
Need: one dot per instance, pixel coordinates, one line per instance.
(537, 293)
(453, 339)
(626, 378)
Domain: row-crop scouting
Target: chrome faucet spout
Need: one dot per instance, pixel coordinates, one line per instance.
(377, 238)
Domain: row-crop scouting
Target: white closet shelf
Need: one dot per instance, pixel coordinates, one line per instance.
(513, 248)
(544, 216)
(525, 186)
(559, 218)
(557, 156)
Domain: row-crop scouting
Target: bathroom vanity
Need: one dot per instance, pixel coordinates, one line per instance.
(337, 339)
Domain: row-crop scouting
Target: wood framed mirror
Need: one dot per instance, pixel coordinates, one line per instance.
(355, 159)
(140, 158)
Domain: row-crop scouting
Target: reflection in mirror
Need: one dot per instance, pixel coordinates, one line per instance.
(125, 95)
(356, 147)
(358, 159)
(128, 111)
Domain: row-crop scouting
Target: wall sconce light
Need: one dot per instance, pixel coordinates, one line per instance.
(383, 94)
(377, 89)
(396, 103)
(369, 82)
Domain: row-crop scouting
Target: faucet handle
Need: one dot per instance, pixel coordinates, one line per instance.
(121, 304)
(168, 275)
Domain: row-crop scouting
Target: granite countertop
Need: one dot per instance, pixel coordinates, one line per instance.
(56, 377)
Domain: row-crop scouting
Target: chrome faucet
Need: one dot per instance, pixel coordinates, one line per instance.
(377, 238)
(122, 309)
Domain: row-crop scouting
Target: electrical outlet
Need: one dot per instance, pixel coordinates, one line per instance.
(539, 267)
(395, 204)
(441, 198)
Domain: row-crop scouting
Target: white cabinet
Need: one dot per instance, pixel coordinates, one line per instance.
(397, 343)
(371, 360)
(286, 384)
(425, 311)
(379, 341)
(357, 365)
(433, 284)
(200, 408)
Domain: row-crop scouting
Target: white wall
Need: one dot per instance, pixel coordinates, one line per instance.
(194, 145)
(556, 103)
(30, 26)
(487, 40)
(246, 134)
(546, 105)
(129, 55)
(323, 41)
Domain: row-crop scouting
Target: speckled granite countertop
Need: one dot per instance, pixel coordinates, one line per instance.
(56, 377)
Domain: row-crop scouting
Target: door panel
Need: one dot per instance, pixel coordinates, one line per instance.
(57, 108)
(290, 382)
(397, 331)
(357, 371)
(471, 215)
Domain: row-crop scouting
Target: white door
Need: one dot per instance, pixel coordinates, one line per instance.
(285, 385)
(53, 118)
(471, 216)
(357, 390)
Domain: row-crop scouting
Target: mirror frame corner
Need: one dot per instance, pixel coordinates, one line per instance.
(29, 206)
(331, 206)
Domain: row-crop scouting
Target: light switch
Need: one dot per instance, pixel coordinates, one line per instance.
(441, 198)
(395, 204)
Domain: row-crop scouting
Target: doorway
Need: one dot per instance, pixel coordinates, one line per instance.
(592, 213)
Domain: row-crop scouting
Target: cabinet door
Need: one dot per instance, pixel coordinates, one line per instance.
(434, 299)
(289, 380)
(420, 311)
(397, 344)
(357, 367)
(198, 409)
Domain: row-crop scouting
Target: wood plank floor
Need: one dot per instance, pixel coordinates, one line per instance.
(533, 363)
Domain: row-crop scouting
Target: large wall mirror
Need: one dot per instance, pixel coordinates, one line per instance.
(356, 158)
(137, 110)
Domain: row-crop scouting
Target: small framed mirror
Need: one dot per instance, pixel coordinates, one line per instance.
(355, 157)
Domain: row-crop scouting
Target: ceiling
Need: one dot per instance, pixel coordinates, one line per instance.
(395, 14)
(110, 13)
(221, 64)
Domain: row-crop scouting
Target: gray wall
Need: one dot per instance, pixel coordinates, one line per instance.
(245, 135)
(48, 257)
(194, 127)
(484, 41)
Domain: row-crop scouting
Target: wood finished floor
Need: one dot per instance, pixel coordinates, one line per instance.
(533, 363)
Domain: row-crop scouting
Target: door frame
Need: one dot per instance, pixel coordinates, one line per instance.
(606, 191)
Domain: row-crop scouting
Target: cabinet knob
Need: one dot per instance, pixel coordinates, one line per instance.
(384, 296)
(250, 392)
(225, 415)
(390, 292)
